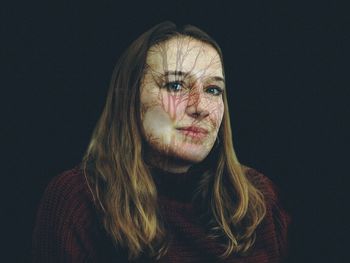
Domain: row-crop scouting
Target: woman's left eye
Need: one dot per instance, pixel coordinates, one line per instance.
(216, 91)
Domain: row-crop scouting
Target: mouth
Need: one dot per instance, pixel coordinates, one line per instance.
(193, 131)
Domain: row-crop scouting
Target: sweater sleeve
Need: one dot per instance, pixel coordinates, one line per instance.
(62, 230)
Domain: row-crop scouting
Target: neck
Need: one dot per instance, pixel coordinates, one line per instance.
(180, 187)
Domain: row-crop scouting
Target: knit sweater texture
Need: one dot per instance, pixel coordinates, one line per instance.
(68, 226)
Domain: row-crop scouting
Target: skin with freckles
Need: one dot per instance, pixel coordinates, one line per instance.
(181, 102)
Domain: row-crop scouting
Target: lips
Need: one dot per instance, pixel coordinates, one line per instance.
(193, 132)
(194, 129)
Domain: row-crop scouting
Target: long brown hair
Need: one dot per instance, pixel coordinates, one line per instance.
(121, 182)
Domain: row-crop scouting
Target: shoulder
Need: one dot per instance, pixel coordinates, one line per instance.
(266, 186)
(262, 183)
(67, 226)
(67, 196)
(275, 211)
(271, 193)
(66, 181)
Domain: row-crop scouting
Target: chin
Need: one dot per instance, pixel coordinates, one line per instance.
(191, 154)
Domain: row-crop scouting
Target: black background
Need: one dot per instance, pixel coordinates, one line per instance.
(282, 80)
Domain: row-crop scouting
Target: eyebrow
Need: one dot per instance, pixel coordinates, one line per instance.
(186, 74)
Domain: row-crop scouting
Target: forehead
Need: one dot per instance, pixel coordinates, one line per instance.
(185, 54)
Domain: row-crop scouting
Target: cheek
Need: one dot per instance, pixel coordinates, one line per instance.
(155, 119)
(217, 115)
(157, 126)
(173, 105)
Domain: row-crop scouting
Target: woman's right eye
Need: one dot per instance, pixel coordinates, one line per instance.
(174, 86)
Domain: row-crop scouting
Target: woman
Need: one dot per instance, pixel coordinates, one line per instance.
(160, 180)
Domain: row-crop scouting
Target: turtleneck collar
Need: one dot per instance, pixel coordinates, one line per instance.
(176, 186)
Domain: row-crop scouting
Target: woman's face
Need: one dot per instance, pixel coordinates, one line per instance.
(181, 100)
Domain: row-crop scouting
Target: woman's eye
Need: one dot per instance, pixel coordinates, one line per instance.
(174, 86)
(216, 91)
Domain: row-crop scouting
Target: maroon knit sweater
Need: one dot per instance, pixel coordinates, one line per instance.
(68, 227)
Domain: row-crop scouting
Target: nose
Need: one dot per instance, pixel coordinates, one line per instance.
(197, 106)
